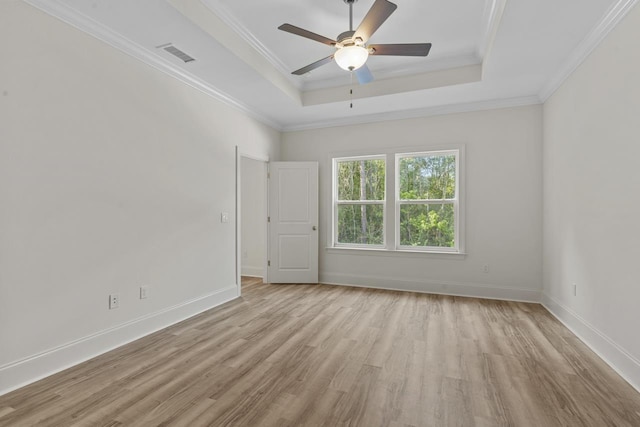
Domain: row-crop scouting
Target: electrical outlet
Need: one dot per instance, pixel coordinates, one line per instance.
(114, 301)
(144, 292)
(575, 290)
(485, 268)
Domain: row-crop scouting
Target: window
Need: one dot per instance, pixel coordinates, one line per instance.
(426, 200)
(418, 209)
(359, 201)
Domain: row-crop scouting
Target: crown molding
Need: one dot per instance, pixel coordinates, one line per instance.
(87, 25)
(492, 18)
(487, 20)
(67, 14)
(613, 17)
(223, 12)
(204, 18)
(494, 104)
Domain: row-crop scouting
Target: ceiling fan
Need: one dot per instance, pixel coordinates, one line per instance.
(351, 46)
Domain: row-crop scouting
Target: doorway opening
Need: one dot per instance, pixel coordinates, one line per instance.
(253, 215)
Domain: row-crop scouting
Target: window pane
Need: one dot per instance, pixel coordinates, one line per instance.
(427, 225)
(361, 180)
(427, 177)
(361, 224)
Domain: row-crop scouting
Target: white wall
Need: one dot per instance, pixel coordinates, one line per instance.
(592, 199)
(503, 203)
(253, 216)
(112, 176)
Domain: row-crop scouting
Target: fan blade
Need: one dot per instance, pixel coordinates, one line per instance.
(378, 13)
(408, 49)
(364, 75)
(308, 34)
(313, 66)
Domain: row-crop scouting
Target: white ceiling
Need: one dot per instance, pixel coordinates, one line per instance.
(486, 53)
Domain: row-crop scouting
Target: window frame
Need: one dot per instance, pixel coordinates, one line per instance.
(336, 203)
(455, 202)
(391, 213)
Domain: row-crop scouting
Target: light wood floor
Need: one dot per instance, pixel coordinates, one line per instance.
(292, 355)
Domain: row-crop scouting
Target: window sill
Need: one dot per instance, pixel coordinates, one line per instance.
(396, 253)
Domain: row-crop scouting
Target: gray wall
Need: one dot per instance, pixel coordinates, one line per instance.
(503, 203)
(113, 176)
(592, 199)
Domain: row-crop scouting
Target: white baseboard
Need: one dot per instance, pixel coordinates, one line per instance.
(476, 290)
(33, 368)
(251, 271)
(627, 366)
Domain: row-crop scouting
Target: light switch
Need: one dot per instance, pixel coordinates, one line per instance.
(224, 217)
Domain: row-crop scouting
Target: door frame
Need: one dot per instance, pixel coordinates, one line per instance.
(265, 161)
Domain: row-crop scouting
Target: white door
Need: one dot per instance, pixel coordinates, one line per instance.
(293, 227)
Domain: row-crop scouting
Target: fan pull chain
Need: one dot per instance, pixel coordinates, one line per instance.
(351, 91)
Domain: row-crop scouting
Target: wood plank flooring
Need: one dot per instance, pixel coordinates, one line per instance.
(317, 355)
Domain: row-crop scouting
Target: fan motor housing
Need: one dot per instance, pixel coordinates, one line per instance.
(347, 36)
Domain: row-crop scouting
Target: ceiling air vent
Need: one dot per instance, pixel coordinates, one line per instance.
(177, 52)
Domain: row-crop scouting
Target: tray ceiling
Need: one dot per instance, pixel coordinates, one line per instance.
(485, 53)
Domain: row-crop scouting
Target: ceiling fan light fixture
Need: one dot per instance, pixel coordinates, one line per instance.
(351, 57)
(351, 51)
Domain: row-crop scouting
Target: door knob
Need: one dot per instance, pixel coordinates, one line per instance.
(314, 228)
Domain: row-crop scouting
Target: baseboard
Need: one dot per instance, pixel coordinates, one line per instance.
(33, 368)
(475, 290)
(627, 366)
(250, 271)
